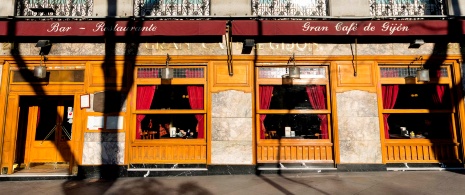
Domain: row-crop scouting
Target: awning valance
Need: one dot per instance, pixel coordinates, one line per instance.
(344, 28)
(118, 28)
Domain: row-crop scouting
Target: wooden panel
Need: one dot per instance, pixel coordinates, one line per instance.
(10, 133)
(108, 75)
(294, 152)
(346, 77)
(422, 151)
(241, 79)
(168, 153)
(56, 89)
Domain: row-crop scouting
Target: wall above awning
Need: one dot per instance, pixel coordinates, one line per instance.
(117, 28)
(350, 28)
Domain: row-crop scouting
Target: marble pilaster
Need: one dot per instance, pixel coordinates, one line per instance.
(358, 127)
(103, 149)
(232, 128)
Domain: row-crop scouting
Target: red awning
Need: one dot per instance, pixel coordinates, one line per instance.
(336, 28)
(120, 28)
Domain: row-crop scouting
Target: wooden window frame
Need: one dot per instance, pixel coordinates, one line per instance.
(401, 81)
(303, 81)
(174, 81)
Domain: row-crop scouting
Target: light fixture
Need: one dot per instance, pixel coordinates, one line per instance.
(247, 46)
(294, 72)
(409, 79)
(422, 73)
(167, 73)
(40, 71)
(45, 46)
(417, 43)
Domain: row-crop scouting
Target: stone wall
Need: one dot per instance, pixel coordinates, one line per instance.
(358, 127)
(103, 149)
(232, 128)
(265, 49)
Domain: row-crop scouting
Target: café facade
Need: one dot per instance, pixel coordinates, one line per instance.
(230, 95)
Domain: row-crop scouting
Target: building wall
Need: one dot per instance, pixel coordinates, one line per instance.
(356, 8)
(121, 8)
(230, 8)
(7, 8)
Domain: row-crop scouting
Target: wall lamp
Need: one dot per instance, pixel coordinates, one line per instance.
(247, 46)
(294, 71)
(167, 72)
(417, 43)
(422, 73)
(45, 46)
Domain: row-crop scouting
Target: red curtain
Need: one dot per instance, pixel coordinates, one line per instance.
(143, 101)
(389, 93)
(440, 90)
(316, 95)
(38, 116)
(265, 93)
(438, 98)
(196, 100)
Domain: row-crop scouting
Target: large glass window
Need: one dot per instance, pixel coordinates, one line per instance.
(293, 111)
(170, 111)
(416, 110)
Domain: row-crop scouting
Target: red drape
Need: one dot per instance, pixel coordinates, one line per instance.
(438, 98)
(144, 99)
(389, 93)
(265, 93)
(316, 95)
(38, 116)
(440, 90)
(196, 101)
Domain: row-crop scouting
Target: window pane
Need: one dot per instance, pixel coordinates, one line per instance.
(170, 126)
(304, 126)
(417, 97)
(170, 97)
(428, 126)
(293, 97)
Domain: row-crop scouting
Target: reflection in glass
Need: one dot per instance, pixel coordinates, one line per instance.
(163, 97)
(428, 126)
(160, 126)
(303, 126)
(293, 97)
(429, 96)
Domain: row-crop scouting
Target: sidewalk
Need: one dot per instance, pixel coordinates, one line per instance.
(388, 182)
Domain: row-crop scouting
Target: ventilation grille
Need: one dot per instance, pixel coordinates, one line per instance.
(177, 73)
(305, 72)
(398, 72)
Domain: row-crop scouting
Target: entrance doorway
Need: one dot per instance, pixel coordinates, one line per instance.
(44, 133)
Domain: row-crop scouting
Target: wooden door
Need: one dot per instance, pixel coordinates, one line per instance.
(49, 129)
